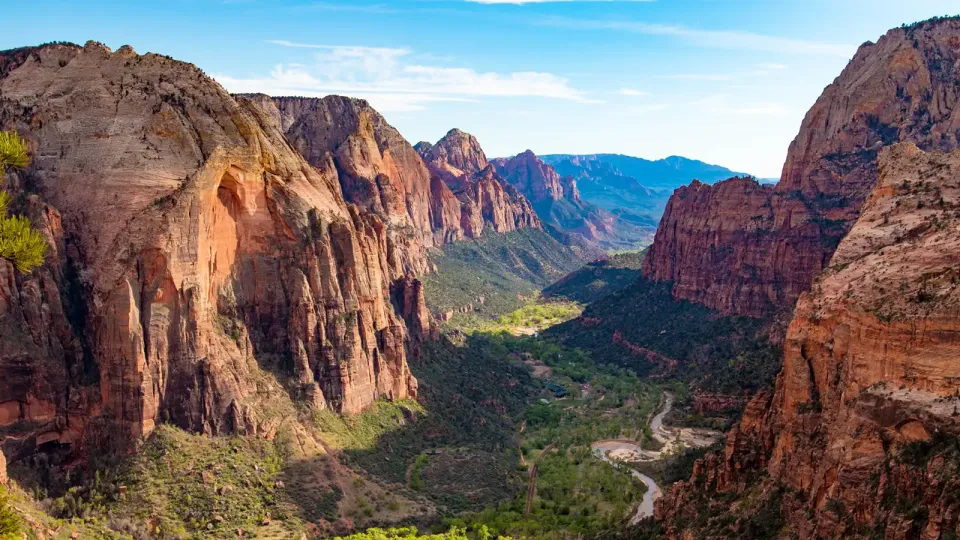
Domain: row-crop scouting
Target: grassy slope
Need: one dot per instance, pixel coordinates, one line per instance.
(503, 269)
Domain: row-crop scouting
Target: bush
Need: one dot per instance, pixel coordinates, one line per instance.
(10, 522)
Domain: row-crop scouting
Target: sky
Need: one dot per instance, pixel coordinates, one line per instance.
(724, 81)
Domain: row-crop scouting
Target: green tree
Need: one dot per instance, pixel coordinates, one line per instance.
(20, 243)
(10, 522)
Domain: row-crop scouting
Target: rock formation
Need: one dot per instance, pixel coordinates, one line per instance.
(537, 180)
(747, 249)
(486, 201)
(861, 434)
(557, 201)
(196, 258)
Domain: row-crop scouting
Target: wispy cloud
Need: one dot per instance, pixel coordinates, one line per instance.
(392, 81)
(726, 39)
(633, 92)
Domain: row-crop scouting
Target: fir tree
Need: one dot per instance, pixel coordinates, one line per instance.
(20, 243)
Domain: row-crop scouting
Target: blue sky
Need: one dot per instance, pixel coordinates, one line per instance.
(725, 81)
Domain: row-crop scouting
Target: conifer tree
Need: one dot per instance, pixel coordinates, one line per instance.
(20, 243)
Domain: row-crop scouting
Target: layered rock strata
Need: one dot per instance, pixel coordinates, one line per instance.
(748, 249)
(197, 259)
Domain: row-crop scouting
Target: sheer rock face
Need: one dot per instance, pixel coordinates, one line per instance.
(746, 249)
(485, 201)
(871, 364)
(538, 181)
(194, 256)
(378, 169)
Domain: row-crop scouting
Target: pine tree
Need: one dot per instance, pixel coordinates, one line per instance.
(20, 243)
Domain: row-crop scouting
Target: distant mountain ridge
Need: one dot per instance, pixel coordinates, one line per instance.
(667, 173)
(633, 188)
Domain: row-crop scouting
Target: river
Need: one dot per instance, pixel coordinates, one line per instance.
(603, 449)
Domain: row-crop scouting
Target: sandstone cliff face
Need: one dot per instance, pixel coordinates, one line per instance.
(378, 170)
(485, 200)
(863, 425)
(196, 258)
(745, 249)
(535, 179)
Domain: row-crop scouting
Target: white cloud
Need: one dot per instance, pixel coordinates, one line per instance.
(392, 82)
(725, 39)
(772, 67)
(633, 92)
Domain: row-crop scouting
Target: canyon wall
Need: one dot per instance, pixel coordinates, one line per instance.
(747, 249)
(423, 204)
(201, 271)
(486, 201)
(860, 436)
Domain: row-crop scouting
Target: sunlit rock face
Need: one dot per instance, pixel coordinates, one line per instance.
(871, 364)
(748, 249)
(196, 256)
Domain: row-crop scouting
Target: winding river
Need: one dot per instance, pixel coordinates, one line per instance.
(604, 448)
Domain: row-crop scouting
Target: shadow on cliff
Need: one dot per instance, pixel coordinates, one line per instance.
(642, 327)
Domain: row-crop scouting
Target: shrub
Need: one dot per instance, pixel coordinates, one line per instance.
(10, 522)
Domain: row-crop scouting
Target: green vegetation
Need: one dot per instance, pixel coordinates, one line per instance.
(411, 533)
(577, 493)
(11, 523)
(20, 243)
(599, 279)
(363, 429)
(644, 328)
(497, 273)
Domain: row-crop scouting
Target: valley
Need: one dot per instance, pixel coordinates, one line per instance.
(238, 315)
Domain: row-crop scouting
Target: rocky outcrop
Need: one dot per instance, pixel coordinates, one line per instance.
(535, 179)
(3, 469)
(747, 249)
(861, 433)
(196, 258)
(486, 202)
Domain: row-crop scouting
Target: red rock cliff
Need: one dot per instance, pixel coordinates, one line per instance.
(860, 425)
(486, 201)
(195, 256)
(746, 249)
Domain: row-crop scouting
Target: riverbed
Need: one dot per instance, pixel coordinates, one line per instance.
(620, 451)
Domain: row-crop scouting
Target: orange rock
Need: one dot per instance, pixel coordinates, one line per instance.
(747, 249)
(191, 246)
